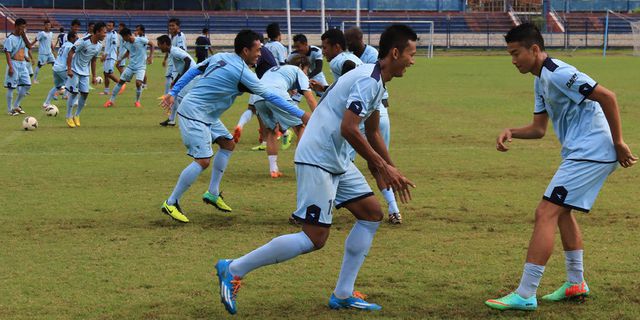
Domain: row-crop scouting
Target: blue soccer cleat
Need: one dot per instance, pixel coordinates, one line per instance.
(229, 285)
(513, 301)
(356, 301)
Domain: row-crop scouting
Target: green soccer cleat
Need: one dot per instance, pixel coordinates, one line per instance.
(174, 211)
(513, 301)
(286, 139)
(260, 147)
(216, 201)
(569, 291)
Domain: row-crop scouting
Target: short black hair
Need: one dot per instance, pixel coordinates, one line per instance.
(20, 22)
(141, 27)
(125, 32)
(164, 39)
(112, 22)
(122, 24)
(395, 36)
(205, 30)
(299, 61)
(46, 21)
(61, 29)
(273, 30)
(91, 23)
(245, 39)
(175, 20)
(300, 38)
(75, 22)
(334, 36)
(97, 26)
(71, 34)
(527, 33)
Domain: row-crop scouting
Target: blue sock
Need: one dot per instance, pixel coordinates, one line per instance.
(35, 74)
(75, 101)
(115, 92)
(390, 198)
(52, 92)
(70, 99)
(530, 280)
(22, 92)
(575, 268)
(188, 176)
(9, 99)
(167, 85)
(220, 161)
(138, 93)
(356, 248)
(278, 250)
(81, 102)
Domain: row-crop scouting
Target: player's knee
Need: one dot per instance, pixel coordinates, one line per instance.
(226, 144)
(204, 163)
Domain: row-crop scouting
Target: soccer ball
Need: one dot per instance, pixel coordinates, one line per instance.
(99, 80)
(29, 123)
(51, 110)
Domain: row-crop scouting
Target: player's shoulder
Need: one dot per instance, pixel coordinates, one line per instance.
(557, 70)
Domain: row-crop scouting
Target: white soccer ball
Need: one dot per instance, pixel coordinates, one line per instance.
(29, 123)
(51, 110)
(99, 79)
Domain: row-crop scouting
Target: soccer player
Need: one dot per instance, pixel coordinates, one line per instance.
(138, 61)
(224, 77)
(281, 80)
(89, 29)
(121, 51)
(110, 56)
(45, 49)
(60, 68)
(178, 39)
(340, 61)
(75, 27)
(301, 46)
(274, 44)
(61, 37)
(17, 74)
(326, 176)
(369, 54)
(586, 119)
(203, 46)
(182, 62)
(82, 55)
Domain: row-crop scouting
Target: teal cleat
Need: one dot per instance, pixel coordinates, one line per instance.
(513, 301)
(569, 291)
(216, 201)
(356, 301)
(287, 138)
(229, 285)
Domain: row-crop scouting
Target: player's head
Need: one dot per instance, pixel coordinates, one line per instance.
(247, 45)
(61, 29)
(20, 25)
(164, 43)
(72, 36)
(121, 26)
(353, 38)
(273, 31)
(99, 30)
(90, 27)
(174, 26)
(75, 25)
(47, 25)
(140, 30)
(127, 35)
(110, 25)
(333, 43)
(301, 62)
(526, 47)
(205, 31)
(300, 44)
(397, 48)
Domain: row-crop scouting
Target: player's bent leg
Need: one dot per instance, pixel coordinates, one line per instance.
(546, 220)
(213, 195)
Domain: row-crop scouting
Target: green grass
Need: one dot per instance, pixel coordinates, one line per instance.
(83, 237)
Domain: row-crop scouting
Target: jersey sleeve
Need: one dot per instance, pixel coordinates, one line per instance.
(573, 83)
(538, 107)
(302, 81)
(362, 96)
(182, 42)
(8, 45)
(142, 40)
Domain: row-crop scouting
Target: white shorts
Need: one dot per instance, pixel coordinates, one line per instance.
(128, 74)
(198, 136)
(272, 116)
(319, 190)
(576, 184)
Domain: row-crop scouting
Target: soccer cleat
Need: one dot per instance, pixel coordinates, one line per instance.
(44, 106)
(229, 285)
(174, 211)
(168, 123)
(237, 133)
(36, 81)
(569, 291)
(76, 120)
(286, 139)
(216, 201)
(276, 174)
(70, 123)
(395, 218)
(124, 86)
(19, 110)
(14, 112)
(260, 147)
(137, 104)
(513, 301)
(356, 301)
(103, 93)
(108, 104)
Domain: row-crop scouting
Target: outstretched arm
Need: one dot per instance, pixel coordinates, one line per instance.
(535, 130)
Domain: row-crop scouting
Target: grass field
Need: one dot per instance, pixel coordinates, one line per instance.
(83, 237)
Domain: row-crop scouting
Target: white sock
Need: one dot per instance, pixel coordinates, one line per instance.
(390, 198)
(273, 163)
(244, 118)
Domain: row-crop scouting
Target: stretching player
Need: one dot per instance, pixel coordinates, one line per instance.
(182, 62)
(45, 49)
(60, 68)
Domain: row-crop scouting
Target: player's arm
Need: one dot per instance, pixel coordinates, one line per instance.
(164, 61)
(348, 66)
(93, 70)
(124, 56)
(27, 43)
(70, 55)
(609, 103)
(317, 70)
(187, 63)
(311, 100)
(35, 40)
(151, 49)
(10, 66)
(535, 130)
(250, 80)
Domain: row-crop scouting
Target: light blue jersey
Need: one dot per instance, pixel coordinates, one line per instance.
(177, 56)
(278, 50)
(314, 54)
(322, 145)
(137, 53)
(44, 38)
(369, 55)
(85, 51)
(111, 45)
(13, 44)
(179, 40)
(338, 61)
(561, 91)
(224, 77)
(61, 60)
(284, 78)
(121, 49)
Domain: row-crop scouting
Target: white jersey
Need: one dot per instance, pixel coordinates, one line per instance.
(338, 62)
(281, 79)
(360, 91)
(111, 45)
(44, 38)
(278, 50)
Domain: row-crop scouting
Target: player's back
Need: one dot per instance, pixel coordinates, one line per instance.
(281, 79)
(278, 50)
(338, 62)
(369, 55)
(359, 91)
(61, 61)
(178, 55)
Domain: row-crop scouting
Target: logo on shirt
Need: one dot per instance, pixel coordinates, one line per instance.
(571, 81)
(356, 107)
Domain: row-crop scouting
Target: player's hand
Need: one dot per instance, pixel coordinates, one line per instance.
(625, 157)
(392, 178)
(505, 136)
(10, 71)
(167, 102)
(149, 60)
(305, 117)
(315, 85)
(102, 58)
(70, 73)
(164, 63)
